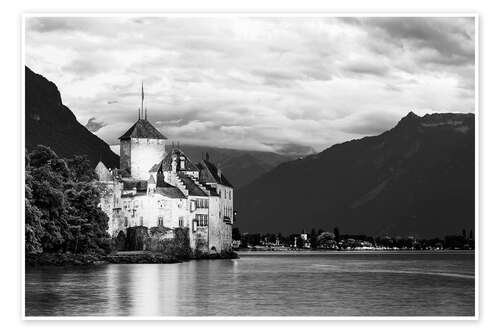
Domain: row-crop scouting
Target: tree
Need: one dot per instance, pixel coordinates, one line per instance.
(314, 240)
(254, 239)
(300, 242)
(236, 234)
(80, 169)
(88, 223)
(280, 238)
(33, 225)
(61, 205)
(454, 242)
(46, 175)
(336, 233)
(244, 240)
(326, 240)
(272, 238)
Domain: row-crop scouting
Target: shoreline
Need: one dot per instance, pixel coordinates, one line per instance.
(132, 257)
(371, 251)
(148, 257)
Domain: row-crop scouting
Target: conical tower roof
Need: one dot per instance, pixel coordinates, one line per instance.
(142, 129)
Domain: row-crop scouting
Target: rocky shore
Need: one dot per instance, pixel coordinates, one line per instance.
(135, 257)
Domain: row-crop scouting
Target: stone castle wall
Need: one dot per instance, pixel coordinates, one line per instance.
(144, 153)
(220, 233)
(125, 158)
(156, 239)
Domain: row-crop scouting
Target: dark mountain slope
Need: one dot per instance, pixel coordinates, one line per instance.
(239, 166)
(50, 123)
(415, 179)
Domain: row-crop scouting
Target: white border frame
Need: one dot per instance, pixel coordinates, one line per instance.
(102, 14)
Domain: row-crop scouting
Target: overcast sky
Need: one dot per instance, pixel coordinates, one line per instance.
(279, 84)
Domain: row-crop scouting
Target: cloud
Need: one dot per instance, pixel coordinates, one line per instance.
(450, 37)
(87, 67)
(367, 67)
(368, 124)
(292, 149)
(276, 84)
(51, 24)
(93, 125)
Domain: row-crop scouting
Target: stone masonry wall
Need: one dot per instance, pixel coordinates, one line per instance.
(144, 154)
(125, 155)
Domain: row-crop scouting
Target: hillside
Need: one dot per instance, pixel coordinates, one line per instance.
(415, 179)
(240, 166)
(50, 123)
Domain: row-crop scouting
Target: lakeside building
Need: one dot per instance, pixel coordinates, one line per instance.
(158, 185)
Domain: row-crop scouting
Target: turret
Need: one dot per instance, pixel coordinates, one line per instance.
(141, 146)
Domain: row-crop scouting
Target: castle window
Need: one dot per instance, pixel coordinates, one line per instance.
(160, 221)
(201, 203)
(202, 220)
(125, 222)
(181, 221)
(229, 194)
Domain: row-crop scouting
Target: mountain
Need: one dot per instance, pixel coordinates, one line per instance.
(239, 166)
(415, 179)
(50, 123)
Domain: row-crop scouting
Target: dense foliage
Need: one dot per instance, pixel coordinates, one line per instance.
(61, 205)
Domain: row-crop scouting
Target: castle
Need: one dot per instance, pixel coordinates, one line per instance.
(158, 185)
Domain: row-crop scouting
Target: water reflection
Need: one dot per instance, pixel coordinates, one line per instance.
(314, 284)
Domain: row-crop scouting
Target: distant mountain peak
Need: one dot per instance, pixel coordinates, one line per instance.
(410, 119)
(50, 123)
(414, 179)
(411, 115)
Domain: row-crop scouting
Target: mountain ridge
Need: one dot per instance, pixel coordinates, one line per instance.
(240, 166)
(50, 123)
(412, 179)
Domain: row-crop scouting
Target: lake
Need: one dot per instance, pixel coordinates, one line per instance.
(262, 284)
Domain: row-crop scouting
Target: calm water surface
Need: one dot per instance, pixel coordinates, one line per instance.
(262, 284)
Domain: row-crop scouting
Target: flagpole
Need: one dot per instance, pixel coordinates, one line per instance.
(142, 99)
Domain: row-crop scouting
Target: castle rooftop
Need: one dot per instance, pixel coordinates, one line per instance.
(175, 155)
(142, 129)
(210, 174)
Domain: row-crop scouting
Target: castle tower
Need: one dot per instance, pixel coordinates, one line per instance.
(141, 146)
